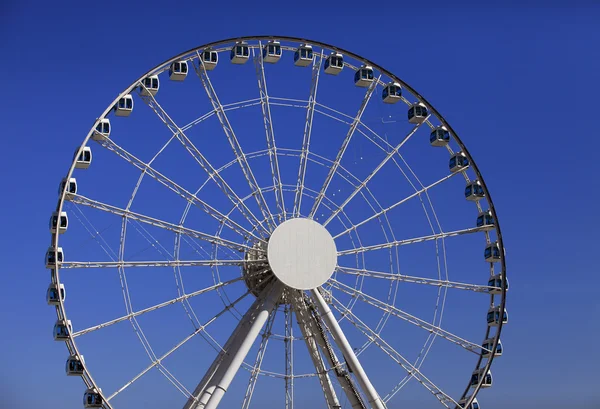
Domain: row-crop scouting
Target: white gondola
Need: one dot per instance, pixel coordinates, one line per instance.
(485, 220)
(178, 70)
(495, 284)
(417, 113)
(486, 348)
(50, 260)
(463, 402)
(303, 56)
(71, 187)
(149, 86)
(271, 52)
(492, 253)
(364, 76)
(493, 316)
(209, 59)
(92, 399)
(334, 64)
(474, 191)
(240, 53)
(55, 294)
(439, 136)
(61, 223)
(74, 366)
(124, 105)
(392, 93)
(478, 374)
(84, 159)
(62, 330)
(102, 130)
(458, 162)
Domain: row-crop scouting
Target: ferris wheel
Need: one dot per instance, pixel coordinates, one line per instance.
(261, 228)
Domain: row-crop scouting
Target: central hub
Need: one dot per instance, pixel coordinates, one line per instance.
(302, 254)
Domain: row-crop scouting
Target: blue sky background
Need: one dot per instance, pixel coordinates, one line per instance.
(519, 84)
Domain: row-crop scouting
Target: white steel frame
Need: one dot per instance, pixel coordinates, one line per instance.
(312, 310)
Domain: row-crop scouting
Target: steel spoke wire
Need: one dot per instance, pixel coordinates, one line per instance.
(270, 135)
(342, 150)
(260, 355)
(179, 190)
(202, 73)
(412, 279)
(310, 112)
(445, 399)
(199, 157)
(469, 346)
(158, 361)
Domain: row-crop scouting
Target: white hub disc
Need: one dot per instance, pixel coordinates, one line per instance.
(302, 254)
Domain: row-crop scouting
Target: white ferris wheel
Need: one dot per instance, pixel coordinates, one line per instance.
(261, 228)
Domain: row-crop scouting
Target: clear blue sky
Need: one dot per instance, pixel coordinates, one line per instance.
(519, 84)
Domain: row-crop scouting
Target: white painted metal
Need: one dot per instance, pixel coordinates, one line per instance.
(236, 146)
(309, 334)
(310, 322)
(271, 146)
(310, 111)
(344, 146)
(101, 133)
(228, 362)
(371, 175)
(179, 190)
(302, 254)
(342, 343)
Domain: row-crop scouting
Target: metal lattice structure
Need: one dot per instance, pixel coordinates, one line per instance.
(291, 262)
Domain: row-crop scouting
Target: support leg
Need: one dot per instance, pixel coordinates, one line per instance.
(343, 344)
(213, 386)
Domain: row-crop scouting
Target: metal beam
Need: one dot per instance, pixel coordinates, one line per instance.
(342, 342)
(217, 379)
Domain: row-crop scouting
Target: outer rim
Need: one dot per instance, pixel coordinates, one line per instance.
(60, 309)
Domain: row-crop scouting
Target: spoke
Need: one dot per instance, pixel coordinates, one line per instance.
(155, 307)
(148, 170)
(233, 141)
(266, 110)
(158, 361)
(310, 112)
(161, 263)
(390, 309)
(343, 344)
(372, 174)
(392, 353)
(397, 243)
(417, 280)
(258, 361)
(201, 159)
(82, 200)
(387, 209)
(342, 150)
